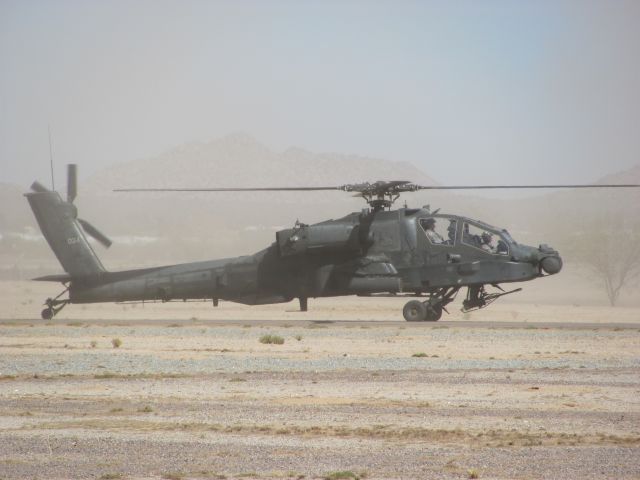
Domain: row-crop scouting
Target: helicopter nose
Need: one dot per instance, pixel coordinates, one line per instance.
(549, 260)
(551, 265)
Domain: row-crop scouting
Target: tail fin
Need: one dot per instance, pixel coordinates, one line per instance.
(58, 221)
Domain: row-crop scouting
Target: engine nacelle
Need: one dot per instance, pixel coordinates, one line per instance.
(319, 239)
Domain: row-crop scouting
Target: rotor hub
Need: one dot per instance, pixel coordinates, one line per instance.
(380, 195)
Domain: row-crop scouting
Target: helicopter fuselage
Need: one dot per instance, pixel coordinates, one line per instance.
(384, 252)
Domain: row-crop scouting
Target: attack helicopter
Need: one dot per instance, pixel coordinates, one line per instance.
(425, 256)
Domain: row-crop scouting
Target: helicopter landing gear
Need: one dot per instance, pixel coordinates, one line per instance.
(54, 306)
(304, 304)
(434, 312)
(414, 311)
(478, 297)
(430, 310)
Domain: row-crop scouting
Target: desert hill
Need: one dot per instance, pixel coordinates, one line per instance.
(240, 160)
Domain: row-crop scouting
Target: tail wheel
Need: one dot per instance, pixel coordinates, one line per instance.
(415, 311)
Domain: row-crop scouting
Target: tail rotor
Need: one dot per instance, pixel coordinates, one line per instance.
(72, 182)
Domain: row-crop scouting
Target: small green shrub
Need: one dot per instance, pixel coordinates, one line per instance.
(116, 342)
(420, 355)
(271, 339)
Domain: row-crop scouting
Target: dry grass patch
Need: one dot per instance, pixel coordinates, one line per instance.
(173, 476)
(271, 339)
(356, 402)
(345, 474)
(141, 376)
(490, 438)
(111, 476)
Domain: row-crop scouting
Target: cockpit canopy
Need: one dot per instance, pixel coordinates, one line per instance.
(450, 230)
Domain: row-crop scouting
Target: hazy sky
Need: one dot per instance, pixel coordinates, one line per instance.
(470, 91)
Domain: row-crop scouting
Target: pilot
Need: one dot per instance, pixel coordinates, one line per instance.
(432, 235)
(487, 242)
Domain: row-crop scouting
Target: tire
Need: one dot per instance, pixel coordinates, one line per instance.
(414, 311)
(47, 314)
(433, 313)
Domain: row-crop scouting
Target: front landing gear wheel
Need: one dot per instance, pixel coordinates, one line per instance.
(433, 313)
(47, 314)
(415, 311)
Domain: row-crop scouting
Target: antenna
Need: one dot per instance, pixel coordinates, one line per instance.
(53, 185)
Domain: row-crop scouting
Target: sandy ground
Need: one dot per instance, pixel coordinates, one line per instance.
(182, 397)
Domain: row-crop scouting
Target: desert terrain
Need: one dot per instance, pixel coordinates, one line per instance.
(519, 390)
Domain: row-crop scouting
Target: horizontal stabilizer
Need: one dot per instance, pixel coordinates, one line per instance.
(61, 278)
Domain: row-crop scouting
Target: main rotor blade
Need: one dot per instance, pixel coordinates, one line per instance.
(95, 233)
(494, 187)
(399, 186)
(258, 189)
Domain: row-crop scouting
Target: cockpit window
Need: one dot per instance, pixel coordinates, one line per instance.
(439, 231)
(484, 239)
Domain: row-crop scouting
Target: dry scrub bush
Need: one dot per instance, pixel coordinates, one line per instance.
(272, 339)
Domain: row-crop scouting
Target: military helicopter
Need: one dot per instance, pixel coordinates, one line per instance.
(413, 252)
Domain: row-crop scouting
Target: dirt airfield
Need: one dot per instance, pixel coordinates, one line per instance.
(517, 391)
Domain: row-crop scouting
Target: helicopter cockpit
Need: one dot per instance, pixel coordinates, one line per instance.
(449, 230)
(490, 241)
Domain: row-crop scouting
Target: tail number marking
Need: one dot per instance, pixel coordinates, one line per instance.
(73, 240)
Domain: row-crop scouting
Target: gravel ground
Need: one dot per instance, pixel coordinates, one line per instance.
(378, 401)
